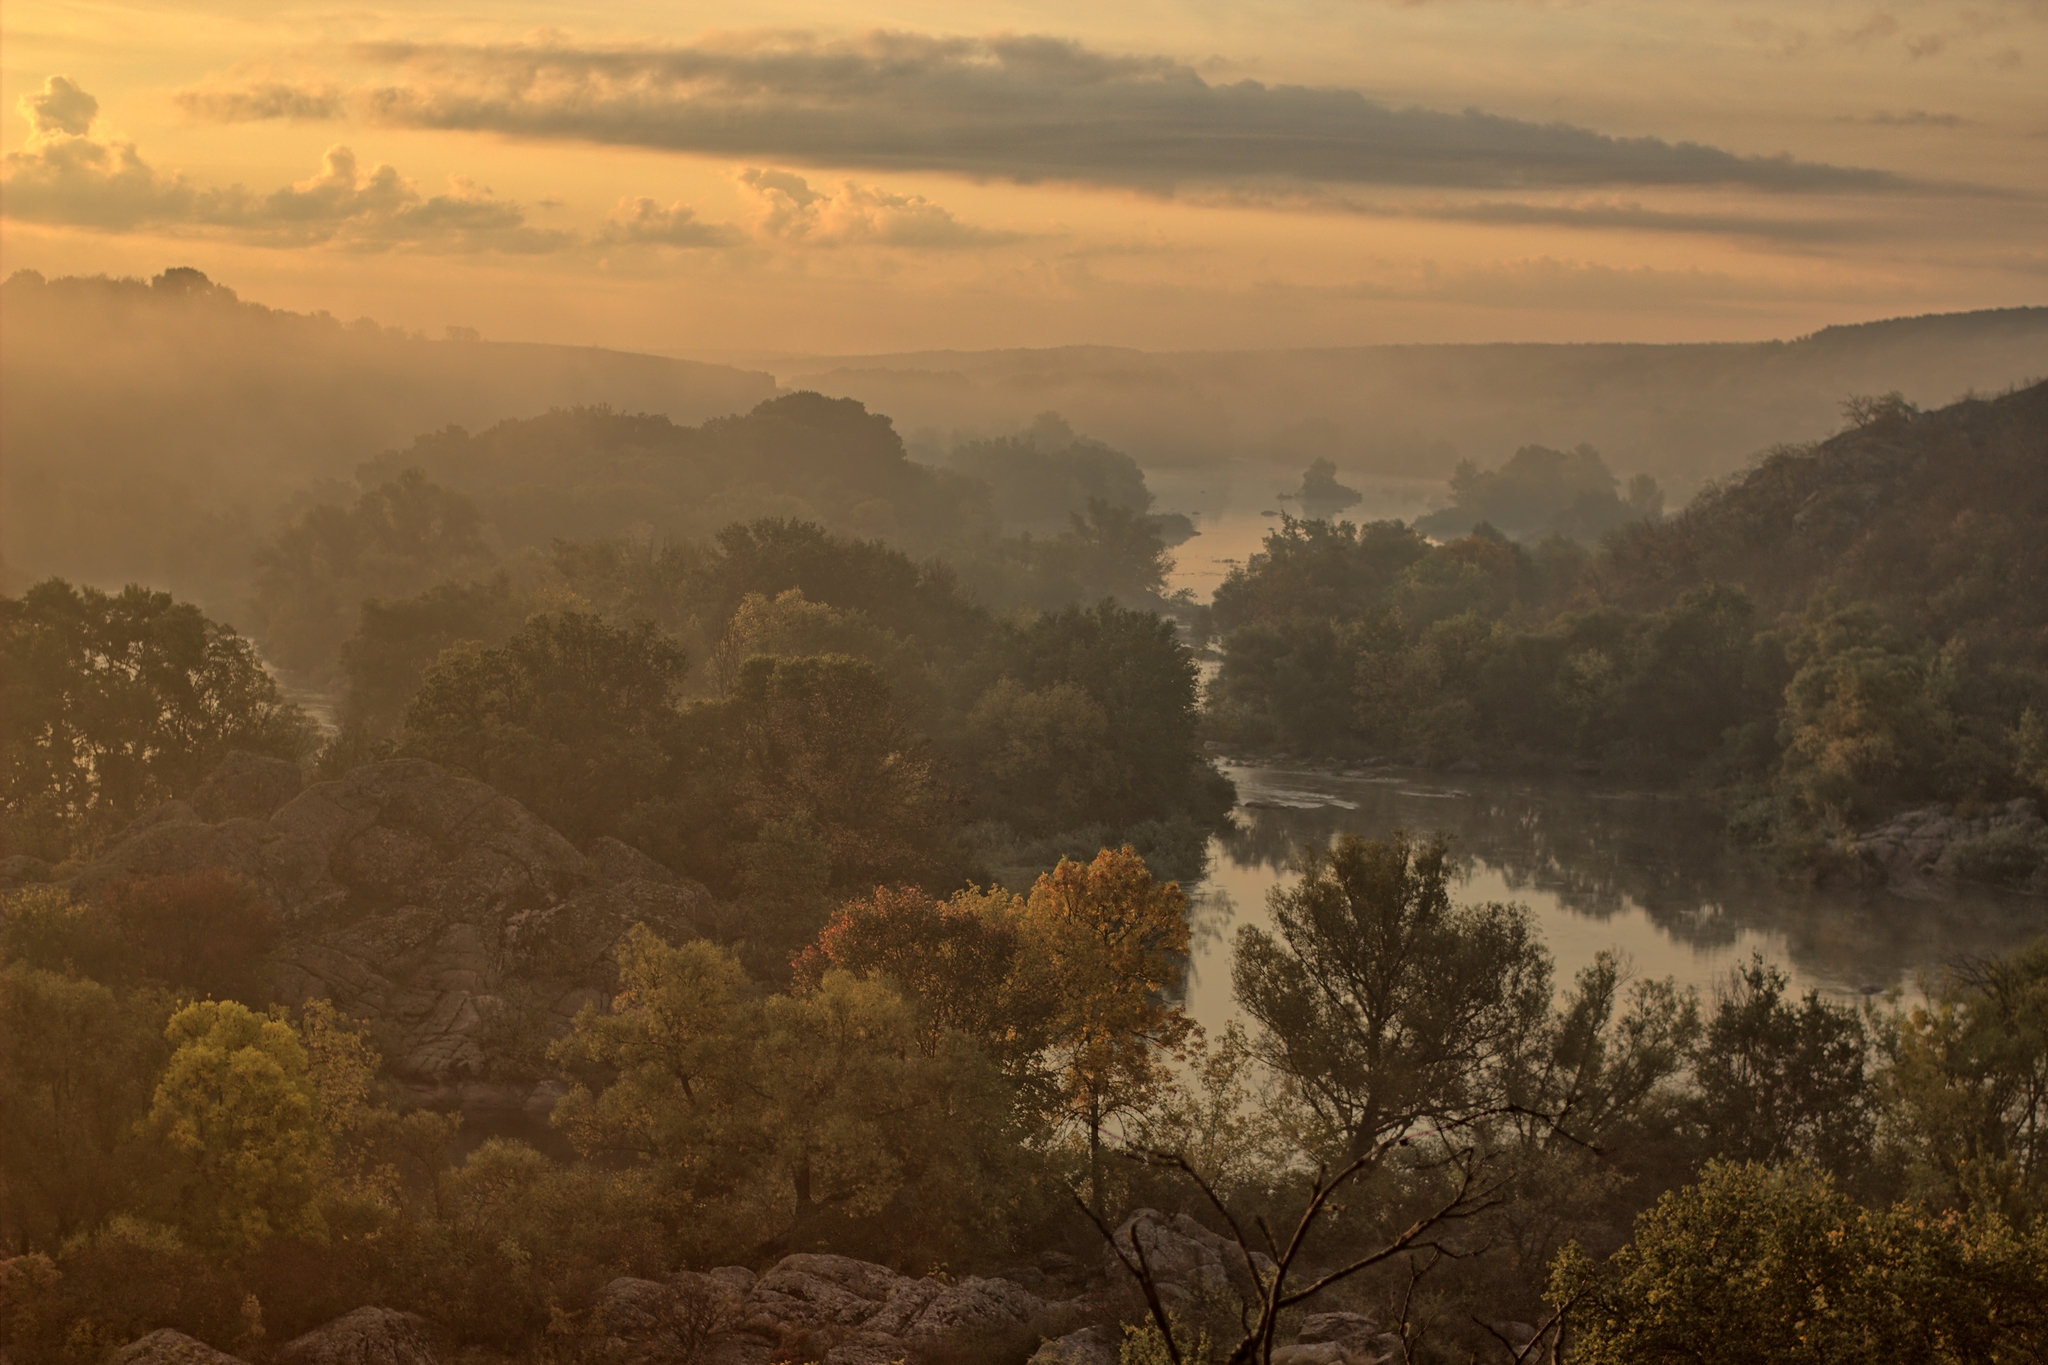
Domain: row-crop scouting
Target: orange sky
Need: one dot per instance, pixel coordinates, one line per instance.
(794, 176)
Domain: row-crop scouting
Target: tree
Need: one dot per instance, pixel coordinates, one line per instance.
(957, 959)
(573, 717)
(116, 703)
(399, 538)
(822, 738)
(205, 932)
(1757, 1265)
(1385, 1005)
(768, 1118)
(1779, 1082)
(76, 1065)
(1112, 946)
(1965, 1086)
(237, 1119)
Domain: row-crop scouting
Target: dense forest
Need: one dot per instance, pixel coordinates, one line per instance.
(1840, 632)
(721, 930)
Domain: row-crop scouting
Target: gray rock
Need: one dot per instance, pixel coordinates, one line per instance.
(1089, 1346)
(367, 1336)
(166, 1347)
(617, 861)
(246, 786)
(1184, 1256)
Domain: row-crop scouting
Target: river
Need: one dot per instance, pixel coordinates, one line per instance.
(1649, 876)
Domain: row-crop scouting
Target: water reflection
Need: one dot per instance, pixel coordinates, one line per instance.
(1645, 874)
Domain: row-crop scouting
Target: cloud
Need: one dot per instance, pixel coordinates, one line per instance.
(1016, 108)
(1912, 118)
(266, 100)
(59, 107)
(643, 222)
(66, 174)
(787, 209)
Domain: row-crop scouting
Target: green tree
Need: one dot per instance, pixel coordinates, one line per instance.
(77, 1062)
(1965, 1086)
(770, 1119)
(575, 718)
(399, 538)
(237, 1120)
(1779, 1082)
(115, 703)
(1385, 1005)
(1757, 1265)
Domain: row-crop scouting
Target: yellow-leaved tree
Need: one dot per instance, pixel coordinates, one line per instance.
(237, 1115)
(1111, 944)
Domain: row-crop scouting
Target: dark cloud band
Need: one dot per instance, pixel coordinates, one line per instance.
(1020, 109)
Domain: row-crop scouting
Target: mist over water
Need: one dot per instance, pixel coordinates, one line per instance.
(1650, 877)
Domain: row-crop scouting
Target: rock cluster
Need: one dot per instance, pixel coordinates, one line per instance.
(2006, 845)
(832, 1309)
(839, 1311)
(433, 907)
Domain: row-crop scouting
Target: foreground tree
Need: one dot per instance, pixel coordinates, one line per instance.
(768, 1118)
(1757, 1265)
(1384, 1004)
(1111, 945)
(237, 1117)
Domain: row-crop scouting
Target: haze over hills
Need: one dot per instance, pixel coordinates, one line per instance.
(1683, 413)
(152, 426)
(234, 418)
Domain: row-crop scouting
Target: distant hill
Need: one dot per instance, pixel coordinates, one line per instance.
(1682, 413)
(152, 429)
(1935, 517)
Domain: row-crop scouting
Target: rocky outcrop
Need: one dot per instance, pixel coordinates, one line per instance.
(437, 909)
(167, 1347)
(832, 1309)
(368, 1336)
(246, 786)
(1187, 1261)
(2007, 845)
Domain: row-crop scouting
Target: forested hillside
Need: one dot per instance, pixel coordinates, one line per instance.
(1839, 632)
(154, 428)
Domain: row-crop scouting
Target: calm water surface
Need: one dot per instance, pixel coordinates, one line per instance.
(1648, 876)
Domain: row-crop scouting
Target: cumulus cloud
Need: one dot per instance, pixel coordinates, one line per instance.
(788, 209)
(642, 221)
(59, 107)
(1017, 108)
(68, 173)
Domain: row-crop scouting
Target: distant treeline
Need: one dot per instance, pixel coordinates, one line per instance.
(1842, 630)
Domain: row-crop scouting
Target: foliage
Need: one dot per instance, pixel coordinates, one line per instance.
(115, 703)
(573, 717)
(1766, 1264)
(238, 1118)
(1113, 943)
(1778, 1083)
(1383, 1004)
(77, 1065)
(400, 537)
(1966, 1087)
(767, 1120)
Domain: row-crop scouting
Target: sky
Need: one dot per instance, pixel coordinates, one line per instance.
(1166, 174)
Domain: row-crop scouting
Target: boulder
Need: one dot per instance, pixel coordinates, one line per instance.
(869, 1313)
(367, 1336)
(21, 869)
(246, 786)
(1184, 1257)
(166, 1347)
(1089, 1346)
